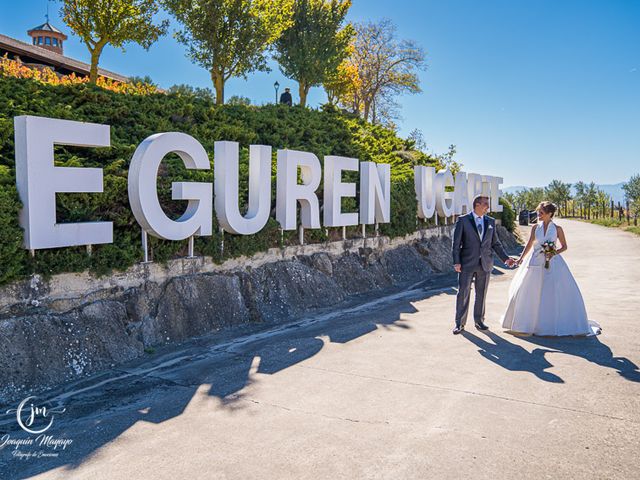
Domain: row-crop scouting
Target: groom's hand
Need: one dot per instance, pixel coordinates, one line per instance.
(510, 262)
(457, 267)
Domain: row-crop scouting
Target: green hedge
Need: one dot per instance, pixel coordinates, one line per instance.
(132, 119)
(508, 215)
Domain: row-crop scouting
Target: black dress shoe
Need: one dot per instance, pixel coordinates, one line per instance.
(458, 330)
(481, 326)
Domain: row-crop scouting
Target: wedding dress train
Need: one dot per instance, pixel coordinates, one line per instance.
(546, 301)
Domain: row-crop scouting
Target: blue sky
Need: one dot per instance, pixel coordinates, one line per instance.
(527, 90)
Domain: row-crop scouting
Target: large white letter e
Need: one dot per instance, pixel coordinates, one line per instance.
(38, 180)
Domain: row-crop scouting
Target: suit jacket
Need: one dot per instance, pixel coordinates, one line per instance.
(286, 98)
(469, 251)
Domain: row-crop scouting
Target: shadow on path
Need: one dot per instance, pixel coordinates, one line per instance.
(592, 350)
(161, 389)
(513, 357)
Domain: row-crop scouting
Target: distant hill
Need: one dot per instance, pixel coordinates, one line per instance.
(615, 190)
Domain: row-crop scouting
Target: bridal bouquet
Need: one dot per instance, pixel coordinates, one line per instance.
(549, 250)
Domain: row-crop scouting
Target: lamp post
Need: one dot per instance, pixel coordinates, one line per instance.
(276, 85)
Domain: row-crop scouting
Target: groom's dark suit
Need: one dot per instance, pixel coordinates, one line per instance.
(476, 258)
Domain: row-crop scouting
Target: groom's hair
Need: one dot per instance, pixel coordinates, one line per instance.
(479, 199)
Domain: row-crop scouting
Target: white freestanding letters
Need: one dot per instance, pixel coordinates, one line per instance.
(289, 192)
(494, 183)
(476, 186)
(335, 190)
(461, 195)
(225, 164)
(38, 180)
(375, 193)
(444, 199)
(143, 194)
(432, 195)
(425, 191)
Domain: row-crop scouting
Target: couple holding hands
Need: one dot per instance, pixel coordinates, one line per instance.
(544, 298)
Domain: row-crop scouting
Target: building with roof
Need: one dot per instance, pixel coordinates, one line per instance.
(47, 50)
(47, 36)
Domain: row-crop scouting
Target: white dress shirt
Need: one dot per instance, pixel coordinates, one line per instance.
(479, 223)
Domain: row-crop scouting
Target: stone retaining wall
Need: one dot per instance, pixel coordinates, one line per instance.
(76, 324)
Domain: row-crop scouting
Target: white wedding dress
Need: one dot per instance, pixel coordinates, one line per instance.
(546, 301)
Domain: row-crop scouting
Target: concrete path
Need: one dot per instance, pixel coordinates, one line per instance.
(379, 391)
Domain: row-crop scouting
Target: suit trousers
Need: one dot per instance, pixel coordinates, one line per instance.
(481, 280)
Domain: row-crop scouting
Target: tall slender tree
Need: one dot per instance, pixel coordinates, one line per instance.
(315, 44)
(99, 23)
(632, 189)
(229, 37)
(559, 192)
(385, 65)
(590, 197)
(632, 193)
(602, 200)
(579, 198)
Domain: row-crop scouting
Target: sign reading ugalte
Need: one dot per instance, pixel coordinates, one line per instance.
(38, 180)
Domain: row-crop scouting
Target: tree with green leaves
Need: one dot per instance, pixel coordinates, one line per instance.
(99, 23)
(447, 161)
(591, 198)
(533, 197)
(229, 37)
(579, 198)
(528, 198)
(559, 193)
(602, 200)
(632, 192)
(511, 198)
(315, 44)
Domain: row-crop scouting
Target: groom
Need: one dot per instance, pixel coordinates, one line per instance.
(474, 240)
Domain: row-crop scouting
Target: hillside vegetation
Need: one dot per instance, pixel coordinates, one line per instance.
(132, 118)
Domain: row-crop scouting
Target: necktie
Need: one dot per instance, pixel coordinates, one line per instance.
(480, 226)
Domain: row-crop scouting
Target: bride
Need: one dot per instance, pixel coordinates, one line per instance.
(546, 301)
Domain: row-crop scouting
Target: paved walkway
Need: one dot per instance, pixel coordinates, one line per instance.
(382, 391)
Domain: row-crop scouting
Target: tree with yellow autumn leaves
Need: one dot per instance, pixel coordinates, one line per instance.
(378, 68)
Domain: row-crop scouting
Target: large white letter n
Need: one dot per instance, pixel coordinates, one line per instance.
(38, 180)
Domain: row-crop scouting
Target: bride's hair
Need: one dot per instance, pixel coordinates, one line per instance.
(547, 207)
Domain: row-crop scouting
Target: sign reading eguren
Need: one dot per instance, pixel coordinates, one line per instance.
(38, 181)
